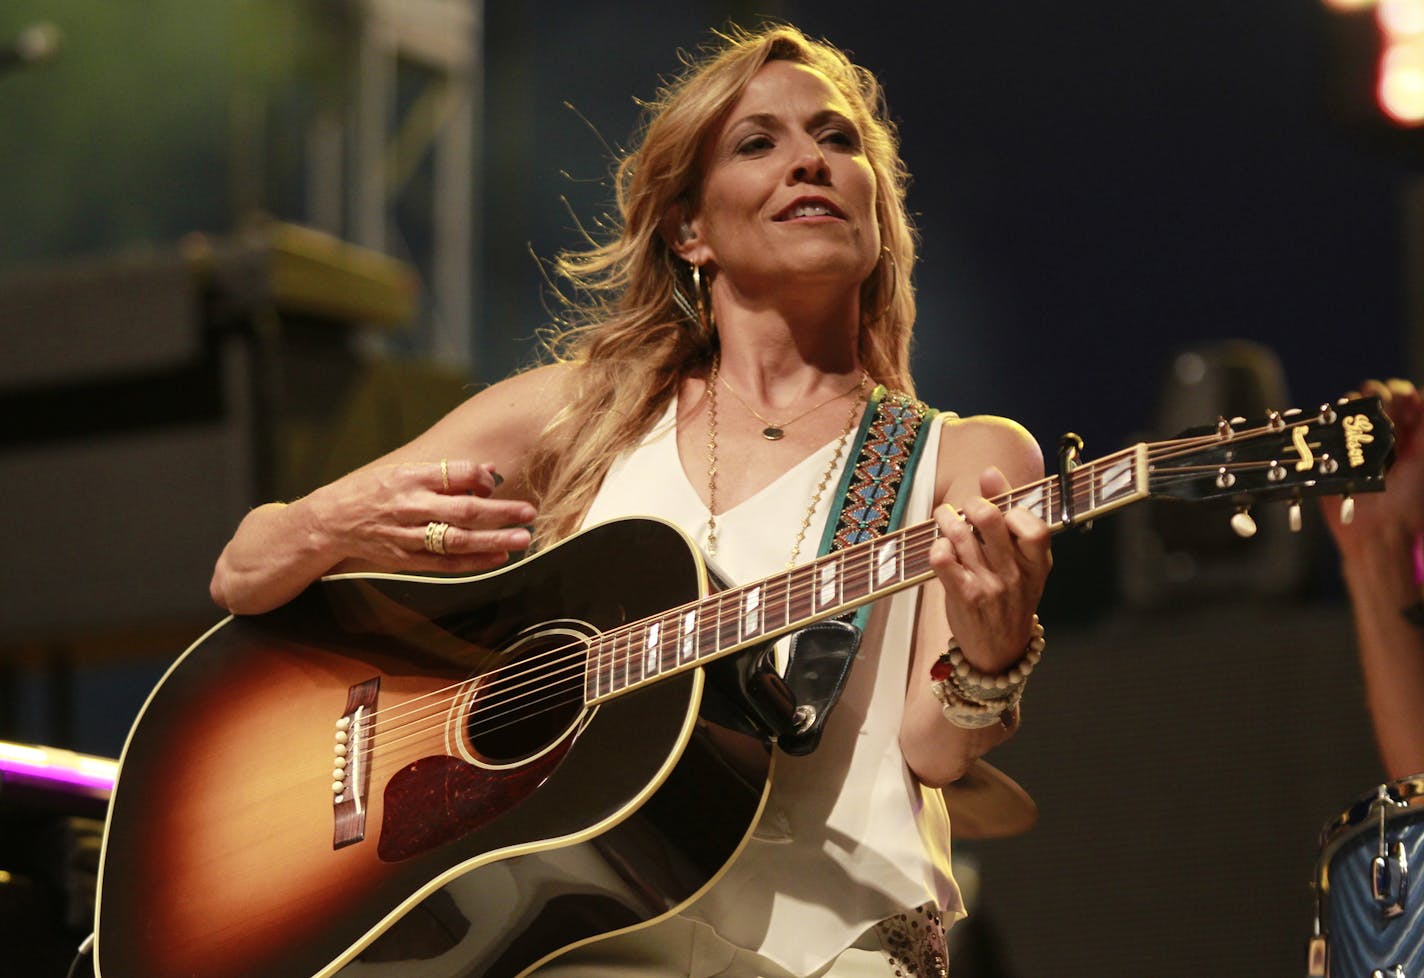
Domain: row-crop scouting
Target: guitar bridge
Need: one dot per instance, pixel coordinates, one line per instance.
(350, 767)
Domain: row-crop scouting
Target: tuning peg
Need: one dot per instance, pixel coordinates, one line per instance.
(1294, 513)
(1224, 430)
(1347, 509)
(1242, 523)
(1274, 419)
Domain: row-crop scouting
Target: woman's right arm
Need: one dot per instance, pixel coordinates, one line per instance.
(375, 518)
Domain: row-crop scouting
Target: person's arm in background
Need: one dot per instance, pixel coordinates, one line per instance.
(1379, 555)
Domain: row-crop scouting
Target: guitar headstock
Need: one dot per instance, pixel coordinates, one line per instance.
(1341, 449)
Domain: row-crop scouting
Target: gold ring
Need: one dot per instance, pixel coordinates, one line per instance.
(435, 538)
(445, 473)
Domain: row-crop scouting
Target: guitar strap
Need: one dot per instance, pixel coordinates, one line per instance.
(886, 451)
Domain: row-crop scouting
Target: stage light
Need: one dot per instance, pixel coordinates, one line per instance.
(1401, 82)
(1401, 18)
(1350, 5)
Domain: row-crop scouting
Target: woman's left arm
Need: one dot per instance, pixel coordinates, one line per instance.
(990, 568)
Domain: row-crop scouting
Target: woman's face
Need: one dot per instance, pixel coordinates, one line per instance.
(788, 195)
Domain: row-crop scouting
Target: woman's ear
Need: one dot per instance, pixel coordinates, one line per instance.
(683, 235)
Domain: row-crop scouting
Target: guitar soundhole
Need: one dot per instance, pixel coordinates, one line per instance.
(530, 702)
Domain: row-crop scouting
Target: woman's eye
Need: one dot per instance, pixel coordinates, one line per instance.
(838, 137)
(754, 144)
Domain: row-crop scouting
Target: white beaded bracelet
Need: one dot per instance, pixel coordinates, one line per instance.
(973, 700)
(978, 686)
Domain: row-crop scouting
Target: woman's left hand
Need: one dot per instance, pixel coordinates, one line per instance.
(993, 566)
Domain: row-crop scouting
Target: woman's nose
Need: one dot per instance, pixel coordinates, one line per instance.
(810, 166)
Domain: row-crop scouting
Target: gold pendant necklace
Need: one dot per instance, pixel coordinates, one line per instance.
(825, 476)
(776, 430)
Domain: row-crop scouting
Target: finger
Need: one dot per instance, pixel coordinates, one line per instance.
(451, 540)
(962, 538)
(1400, 387)
(479, 512)
(1376, 388)
(993, 482)
(991, 533)
(944, 556)
(461, 540)
(454, 475)
(1031, 539)
(455, 563)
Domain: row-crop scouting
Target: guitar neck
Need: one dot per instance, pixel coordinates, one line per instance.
(729, 621)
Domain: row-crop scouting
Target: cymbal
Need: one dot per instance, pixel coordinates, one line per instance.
(988, 804)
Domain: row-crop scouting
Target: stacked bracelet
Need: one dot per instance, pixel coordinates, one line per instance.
(973, 700)
(971, 715)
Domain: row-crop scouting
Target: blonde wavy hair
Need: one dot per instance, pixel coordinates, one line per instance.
(627, 333)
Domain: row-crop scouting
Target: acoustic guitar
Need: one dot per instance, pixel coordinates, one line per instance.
(428, 777)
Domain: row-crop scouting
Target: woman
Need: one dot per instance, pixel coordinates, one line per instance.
(759, 288)
(1382, 561)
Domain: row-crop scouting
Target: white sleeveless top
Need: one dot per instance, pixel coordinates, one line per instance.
(849, 836)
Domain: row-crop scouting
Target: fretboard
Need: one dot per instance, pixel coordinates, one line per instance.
(682, 638)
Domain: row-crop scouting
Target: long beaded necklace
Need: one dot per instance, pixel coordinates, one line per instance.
(858, 389)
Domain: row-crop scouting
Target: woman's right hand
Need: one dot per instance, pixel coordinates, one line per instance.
(376, 518)
(380, 517)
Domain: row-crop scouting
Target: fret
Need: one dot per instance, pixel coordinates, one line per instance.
(801, 597)
(593, 671)
(728, 620)
(917, 557)
(887, 562)
(709, 627)
(605, 665)
(652, 649)
(667, 653)
(865, 576)
(633, 655)
(620, 659)
(687, 637)
(1116, 479)
(751, 613)
(778, 612)
(828, 583)
(645, 650)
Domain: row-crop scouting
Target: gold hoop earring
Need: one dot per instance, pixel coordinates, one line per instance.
(702, 294)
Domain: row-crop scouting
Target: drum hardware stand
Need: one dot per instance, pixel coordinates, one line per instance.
(1388, 873)
(1318, 951)
(1391, 865)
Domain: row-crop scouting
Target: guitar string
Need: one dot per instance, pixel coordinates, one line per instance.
(551, 696)
(625, 662)
(626, 632)
(568, 692)
(630, 662)
(1183, 473)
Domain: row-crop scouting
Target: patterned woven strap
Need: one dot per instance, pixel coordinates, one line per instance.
(871, 498)
(872, 503)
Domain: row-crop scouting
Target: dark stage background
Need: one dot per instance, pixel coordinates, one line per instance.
(1099, 186)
